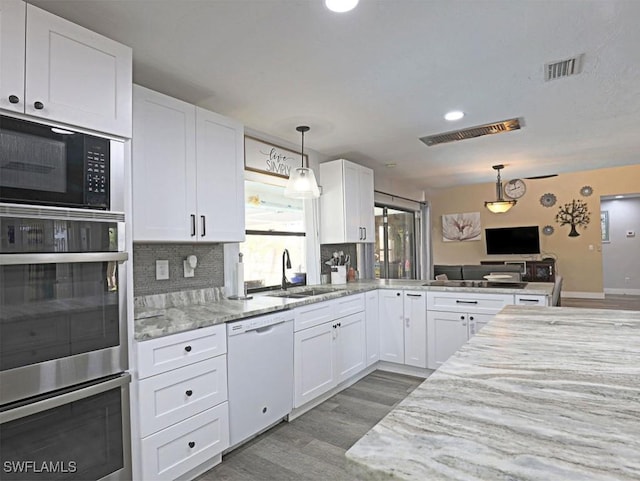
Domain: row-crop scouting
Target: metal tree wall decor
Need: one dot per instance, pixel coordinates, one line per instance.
(575, 214)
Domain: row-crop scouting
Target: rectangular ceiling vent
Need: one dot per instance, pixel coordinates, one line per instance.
(562, 68)
(472, 132)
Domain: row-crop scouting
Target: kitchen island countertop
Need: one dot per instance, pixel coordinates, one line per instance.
(539, 394)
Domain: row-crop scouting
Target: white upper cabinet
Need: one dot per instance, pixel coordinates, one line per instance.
(12, 44)
(187, 172)
(346, 203)
(220, 177)
(62, 72)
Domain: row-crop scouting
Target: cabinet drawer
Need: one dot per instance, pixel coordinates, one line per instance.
(313, 315)
(527, 300)
(176, 395)
(345, 306)
(467, 302)
(178, 350)
(174, 451)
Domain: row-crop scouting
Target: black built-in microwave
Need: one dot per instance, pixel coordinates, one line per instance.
(46, 165)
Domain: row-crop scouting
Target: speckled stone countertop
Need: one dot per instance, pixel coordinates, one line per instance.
(164, 314)
(540, 394)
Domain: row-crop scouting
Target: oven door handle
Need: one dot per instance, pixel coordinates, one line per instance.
(66, 398)
(61, 258)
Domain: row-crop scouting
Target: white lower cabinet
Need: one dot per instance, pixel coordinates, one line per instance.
(183, 406)
(372, 327)
(454, 317)
(403, 327)
(448, 331)
(182, 447)
(328, 353)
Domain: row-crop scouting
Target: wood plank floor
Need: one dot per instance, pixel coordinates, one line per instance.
(312, 446)
(610, 301)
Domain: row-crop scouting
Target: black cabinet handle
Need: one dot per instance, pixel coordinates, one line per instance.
(193, 225)
(365, 233)
(38, 105)
(204, 226)
(414, 295)
(14, 99)
(471, 318)
(397, 293)
(189, 392)
(466, 302)
(462, 318)
(187, 348)
(192, 444)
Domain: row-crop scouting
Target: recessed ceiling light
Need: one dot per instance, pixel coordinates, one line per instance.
(619, 196)
(454, 115)
(390, 166)
(341, 6)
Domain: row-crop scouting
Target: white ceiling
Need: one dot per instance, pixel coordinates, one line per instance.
(372, 81)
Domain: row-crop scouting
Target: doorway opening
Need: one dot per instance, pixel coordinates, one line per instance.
(395, 244)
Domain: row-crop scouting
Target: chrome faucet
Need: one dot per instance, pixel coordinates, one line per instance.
(286, 263)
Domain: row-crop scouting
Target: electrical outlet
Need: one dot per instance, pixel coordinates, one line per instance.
(162, 270)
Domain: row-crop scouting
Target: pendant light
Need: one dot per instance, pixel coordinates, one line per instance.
(302, 181)
(499, 206)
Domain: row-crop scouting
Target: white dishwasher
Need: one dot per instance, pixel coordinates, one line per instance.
(260, 373)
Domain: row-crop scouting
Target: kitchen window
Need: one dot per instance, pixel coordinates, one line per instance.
(273, 223)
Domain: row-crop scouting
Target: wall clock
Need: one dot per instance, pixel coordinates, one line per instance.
(586, 191)
(547, 230)
(515, 188)
(548, 200)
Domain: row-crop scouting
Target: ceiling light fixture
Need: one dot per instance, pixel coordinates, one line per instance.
(499, 206)
(302, 181)
(454, 115)
(341, 6)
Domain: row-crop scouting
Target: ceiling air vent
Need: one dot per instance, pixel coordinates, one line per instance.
(472, 132)
(562, 68)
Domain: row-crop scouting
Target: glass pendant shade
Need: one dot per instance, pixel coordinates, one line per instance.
(499, 206)
(302, 184)
(302, 181)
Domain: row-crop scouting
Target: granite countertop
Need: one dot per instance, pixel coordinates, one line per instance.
(164, 314)
(541, 393)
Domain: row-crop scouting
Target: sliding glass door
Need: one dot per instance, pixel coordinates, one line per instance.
(395, 246)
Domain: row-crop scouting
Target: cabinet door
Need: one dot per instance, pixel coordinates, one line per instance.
(163, 168)
(367, 217)
(415, 334)
(80, 77)
(12, 51)
(219, 177)
(447, 332)
(353, 227)
(350, 346)
(477, 322)
(313, 366)
(372, 327)
(391, 326)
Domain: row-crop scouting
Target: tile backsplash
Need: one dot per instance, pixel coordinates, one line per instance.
(208, 273)
(327, 250)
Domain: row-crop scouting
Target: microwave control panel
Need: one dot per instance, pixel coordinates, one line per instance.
(97, 172)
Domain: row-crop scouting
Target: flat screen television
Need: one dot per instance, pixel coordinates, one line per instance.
(512, 240)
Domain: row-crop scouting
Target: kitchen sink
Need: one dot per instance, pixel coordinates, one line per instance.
(304, 293)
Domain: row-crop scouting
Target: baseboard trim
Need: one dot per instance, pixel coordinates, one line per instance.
(582, 295)
(624, 292)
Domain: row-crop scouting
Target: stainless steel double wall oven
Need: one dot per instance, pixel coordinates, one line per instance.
(64, 389)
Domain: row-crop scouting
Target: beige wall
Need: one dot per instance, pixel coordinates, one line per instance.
(578, 263)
